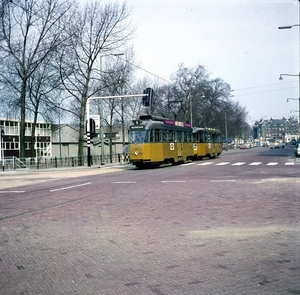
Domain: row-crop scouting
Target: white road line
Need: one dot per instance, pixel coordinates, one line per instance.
(272, 164)
(69, 187)
(222, 163)
(206, 163)
(238, 164)
(254, 163)
(289, 163)
(11, 192)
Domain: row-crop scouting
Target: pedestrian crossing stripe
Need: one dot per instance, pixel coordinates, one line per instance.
(244, 163)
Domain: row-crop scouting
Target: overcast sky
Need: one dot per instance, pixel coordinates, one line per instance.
(236, 40)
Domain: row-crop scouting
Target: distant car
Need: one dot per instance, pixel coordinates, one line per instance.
(276, 144)
(297, 150)
(243, 147)
(293, 143)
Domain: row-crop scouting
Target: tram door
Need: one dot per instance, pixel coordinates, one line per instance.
(179, 140)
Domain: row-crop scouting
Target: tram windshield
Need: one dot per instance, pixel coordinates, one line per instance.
(138, 136)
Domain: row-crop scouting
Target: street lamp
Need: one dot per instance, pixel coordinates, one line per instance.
(281, 78)
(288, 27)
(101, 109)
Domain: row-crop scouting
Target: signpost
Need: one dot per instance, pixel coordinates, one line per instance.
(2, 149)
(147, 92)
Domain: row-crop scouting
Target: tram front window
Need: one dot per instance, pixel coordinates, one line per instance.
(138, 136)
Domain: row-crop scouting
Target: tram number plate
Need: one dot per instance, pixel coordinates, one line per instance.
(172, 147)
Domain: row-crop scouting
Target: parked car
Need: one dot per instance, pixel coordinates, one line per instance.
(297, 150)
(293, 142)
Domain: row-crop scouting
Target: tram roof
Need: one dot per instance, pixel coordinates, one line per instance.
(213, 130)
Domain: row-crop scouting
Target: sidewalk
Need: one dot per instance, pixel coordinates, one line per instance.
(15, 178)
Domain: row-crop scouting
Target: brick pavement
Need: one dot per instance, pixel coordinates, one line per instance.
(148, 244)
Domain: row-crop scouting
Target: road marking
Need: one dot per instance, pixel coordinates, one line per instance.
(206, 163)
(272, 164)
(238, 164)
(12, 192)
(69, 187)
(272, 180)
(289, 163)
(254, 163)
(222, 163)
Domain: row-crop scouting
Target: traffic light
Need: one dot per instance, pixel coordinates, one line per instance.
(92, 128)
(148, 99)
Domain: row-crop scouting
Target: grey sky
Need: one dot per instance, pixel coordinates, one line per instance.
(236, 40)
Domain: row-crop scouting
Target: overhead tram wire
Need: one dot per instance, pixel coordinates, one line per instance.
(235, 95)
(289, 82)
(145, 70)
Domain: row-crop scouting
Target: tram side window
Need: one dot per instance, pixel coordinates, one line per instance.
(200, 136)
(168, 135)
(171, 136)
(208, 137)
(152, 135)
(178, 136)
(157, 135)
(203, 137)
(187, 136)
(216, 138)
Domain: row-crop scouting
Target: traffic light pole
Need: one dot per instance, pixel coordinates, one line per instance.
(88, 131)
(2, 149)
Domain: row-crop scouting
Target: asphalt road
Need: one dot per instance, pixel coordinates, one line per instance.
(221, 226)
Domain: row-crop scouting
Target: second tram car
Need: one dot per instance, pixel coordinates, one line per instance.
(155, 141)
(207, 143)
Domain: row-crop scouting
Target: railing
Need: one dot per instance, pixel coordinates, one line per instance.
(14, 163)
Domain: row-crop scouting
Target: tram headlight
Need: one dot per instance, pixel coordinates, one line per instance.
(136, 153)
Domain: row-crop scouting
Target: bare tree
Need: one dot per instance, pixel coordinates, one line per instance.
(30, 31)
(43, 90)
(117, 80)
(98, 30)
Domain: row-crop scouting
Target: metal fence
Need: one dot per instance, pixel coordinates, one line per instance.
(13, 163)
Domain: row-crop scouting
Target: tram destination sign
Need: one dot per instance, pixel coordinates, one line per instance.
(138, 127)
(176, 123)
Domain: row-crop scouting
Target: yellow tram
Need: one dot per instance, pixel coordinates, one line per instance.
(207, 142)
(155, 141)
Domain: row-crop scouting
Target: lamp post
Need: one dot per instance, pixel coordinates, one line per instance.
(281, 78)
(101, 109)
